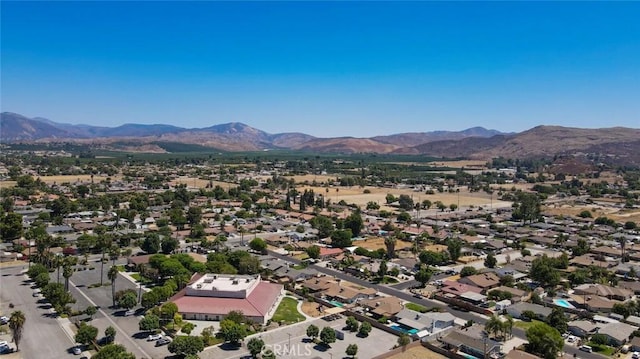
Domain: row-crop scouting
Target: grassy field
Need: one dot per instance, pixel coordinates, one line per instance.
(287, 311)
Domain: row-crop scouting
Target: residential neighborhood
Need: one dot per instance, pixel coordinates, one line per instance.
(153, 260)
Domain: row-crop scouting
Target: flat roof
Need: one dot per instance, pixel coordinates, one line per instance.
(224, 283)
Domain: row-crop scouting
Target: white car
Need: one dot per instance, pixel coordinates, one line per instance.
(77, 350)
(154, 337)
(635, 355)
(4, 320)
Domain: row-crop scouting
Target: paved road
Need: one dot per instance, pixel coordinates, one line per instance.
(478, 318)
(40, 327)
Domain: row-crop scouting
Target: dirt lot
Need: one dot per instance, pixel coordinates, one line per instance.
(376, 243)
(356, 195)
(596, 211)
(418, 352)
(311, 308)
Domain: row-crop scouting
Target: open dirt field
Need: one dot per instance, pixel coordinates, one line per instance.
(418, 352)
(193, 182)
(376, 243)
(356, 195)
(63, 179)
(311, 308)
(596, 211)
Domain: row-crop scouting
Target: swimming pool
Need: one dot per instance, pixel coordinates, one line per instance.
(336, 303)
(468, 356)
(563, 303)
(403, 329)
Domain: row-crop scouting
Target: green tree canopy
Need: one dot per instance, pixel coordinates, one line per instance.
(86, 334)
(186, 345)
(327, 335)
(113, 351)
(544, 341)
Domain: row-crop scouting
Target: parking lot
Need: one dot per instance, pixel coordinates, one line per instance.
(292, 342)
(40, 327)
(126, 327)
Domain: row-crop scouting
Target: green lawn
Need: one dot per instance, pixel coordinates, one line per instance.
(525, 325)
(287, 311)
(602, 349)
(416, 307)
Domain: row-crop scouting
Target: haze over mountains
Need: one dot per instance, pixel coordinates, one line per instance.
(475, 142)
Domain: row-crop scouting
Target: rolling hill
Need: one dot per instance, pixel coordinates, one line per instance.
(616, 143)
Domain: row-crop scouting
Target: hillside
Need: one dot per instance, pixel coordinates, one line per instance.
(612, 145)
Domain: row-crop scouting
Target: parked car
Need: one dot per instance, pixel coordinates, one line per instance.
(163, 341)
(4, 320)
(635, 355)
(77, 350)
(129, 313)
(586, 348)
(153, 337)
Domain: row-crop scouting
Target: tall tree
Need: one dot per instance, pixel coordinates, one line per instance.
(390, 244)
(113, 275)
(16, 324)
(454, 247)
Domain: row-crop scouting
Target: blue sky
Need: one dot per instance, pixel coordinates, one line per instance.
(326, 68)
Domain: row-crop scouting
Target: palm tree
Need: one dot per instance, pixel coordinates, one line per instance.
(114, 254)
(58, 262)
(113, 275)
(67, 270)
(508, 325)
(103, 243)
(493, 326)
(16, 324)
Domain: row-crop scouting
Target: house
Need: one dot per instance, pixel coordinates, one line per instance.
(519, 354)
(582, 328)
(383, 306)
(517, 295)
(326, 253)
(517, 309)
(455, 288)
(618, 333)
(594, 303)
(471, 341)
(346, 294)
(633, 286)
(291, 275)
(432, 322)
(604, 291)
(135, 262)
(635, 344)
(505, 271)
(484, 281)
(318, 284)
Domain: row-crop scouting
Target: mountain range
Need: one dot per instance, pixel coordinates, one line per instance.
(476, 143)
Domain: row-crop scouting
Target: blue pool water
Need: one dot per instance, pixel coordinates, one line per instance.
(563, 303)
(468, 356)
(403, 329)
(336, 303)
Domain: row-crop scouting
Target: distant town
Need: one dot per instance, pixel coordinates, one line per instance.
(292, 255)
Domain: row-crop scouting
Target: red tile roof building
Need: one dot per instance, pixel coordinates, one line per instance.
(213, 296)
